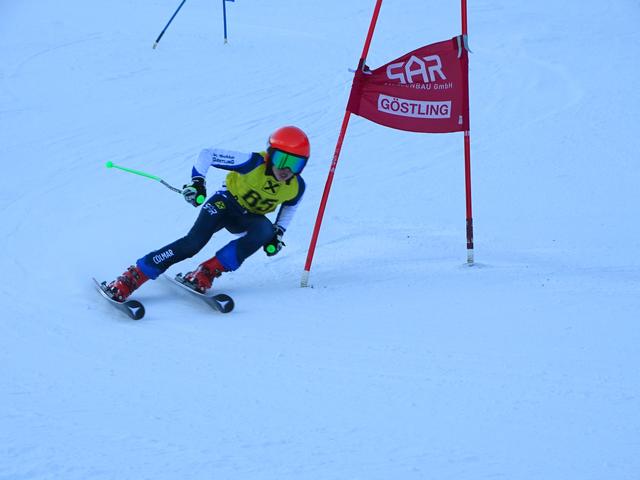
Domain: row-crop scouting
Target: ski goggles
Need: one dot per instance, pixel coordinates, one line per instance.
(280, 159)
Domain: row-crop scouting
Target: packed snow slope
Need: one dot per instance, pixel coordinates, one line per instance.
(401, 361)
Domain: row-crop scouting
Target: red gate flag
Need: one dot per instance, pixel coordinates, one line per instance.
(425, 90)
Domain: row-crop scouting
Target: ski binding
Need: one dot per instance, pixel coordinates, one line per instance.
(132, 308)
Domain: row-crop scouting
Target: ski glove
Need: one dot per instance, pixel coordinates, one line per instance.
(274, 245)
(196, 192)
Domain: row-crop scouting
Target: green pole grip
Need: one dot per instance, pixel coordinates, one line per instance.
(200, 199)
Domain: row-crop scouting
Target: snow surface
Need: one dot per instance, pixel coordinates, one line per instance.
(401, 362)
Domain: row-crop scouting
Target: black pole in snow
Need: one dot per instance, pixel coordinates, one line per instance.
(155, 44)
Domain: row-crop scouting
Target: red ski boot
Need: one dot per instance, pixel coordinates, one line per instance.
(202, 277)
(125, 284)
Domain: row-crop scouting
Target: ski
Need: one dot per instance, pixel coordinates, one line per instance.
(220, 302)
(132, 308)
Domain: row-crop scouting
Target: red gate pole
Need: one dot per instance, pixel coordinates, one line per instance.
(343, 130)
(467, 150)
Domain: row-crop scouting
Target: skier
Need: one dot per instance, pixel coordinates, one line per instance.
(256, 184)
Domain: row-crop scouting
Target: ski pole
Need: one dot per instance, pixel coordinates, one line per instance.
(199, 199)
(155, 44)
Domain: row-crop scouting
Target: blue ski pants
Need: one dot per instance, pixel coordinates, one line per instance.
(220, 211)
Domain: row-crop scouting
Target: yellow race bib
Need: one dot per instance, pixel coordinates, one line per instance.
(258, 192)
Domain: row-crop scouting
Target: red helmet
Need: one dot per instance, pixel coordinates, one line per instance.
(290, 140)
